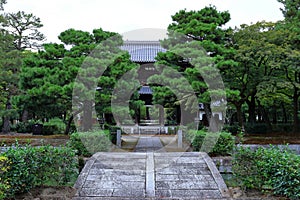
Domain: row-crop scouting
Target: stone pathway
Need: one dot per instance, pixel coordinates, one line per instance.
(150, 175)
(149, 144)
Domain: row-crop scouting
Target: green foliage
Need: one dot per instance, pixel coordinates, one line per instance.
(113, 133)
(234, 129)
(88, 143)
(196, 47)
(33, 166)
(257, 128)
(291, 9)
(54, 126)
(2, 2)
(10, 62)
(224, 145)
(172, 130)
(269, 169)
(283, 128)
(24, 27)
(23, 127)
(4, 185)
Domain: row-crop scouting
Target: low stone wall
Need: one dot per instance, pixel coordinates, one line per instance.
(223, 164)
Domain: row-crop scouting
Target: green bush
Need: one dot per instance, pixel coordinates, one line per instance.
(234, 129)
(269, 169)
(113, 133)
(256, 128)
(172, 130)
(282, 128)
(223, 146)
(54, 126)
(33, 166)
(23, 127)
(4, 185)
(88, 143)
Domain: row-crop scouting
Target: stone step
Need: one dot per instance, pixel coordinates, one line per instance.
(189, 175)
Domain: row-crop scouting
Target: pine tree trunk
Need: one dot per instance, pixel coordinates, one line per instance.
(68, 127)
(295, 112)
(252, 107)
(265, 116)
(24, 116)
(274, 113)
(284, 114)
(6, 119)
(87, 116)
(240, 115)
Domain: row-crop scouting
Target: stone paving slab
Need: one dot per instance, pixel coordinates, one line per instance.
(149, 144)
(189, 175)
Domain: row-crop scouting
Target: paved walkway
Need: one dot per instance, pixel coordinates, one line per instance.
(150, 175)
(149, 144)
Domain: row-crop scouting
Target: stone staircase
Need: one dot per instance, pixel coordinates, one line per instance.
(150, 175)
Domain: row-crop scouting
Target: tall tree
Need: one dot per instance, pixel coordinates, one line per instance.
(10, 62)
(255, 57)
(290, 66)
(25, 28)
(48, 77)
(291, 10)
(25, 31)
(2, 2)
(199, 30)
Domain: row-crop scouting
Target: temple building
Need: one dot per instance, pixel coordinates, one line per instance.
(144, 53)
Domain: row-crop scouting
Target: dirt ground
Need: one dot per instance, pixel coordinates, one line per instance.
(274, 138)
(48, 193)
(34, 140)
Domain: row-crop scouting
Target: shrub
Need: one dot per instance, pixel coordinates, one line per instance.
(23, 127)
(4, 167)
(234, 129)
(223, 146)
(113, 133)
(88, 143)
(256, 128)
(21, 175)
(172, 130)
(33, 166)
(282, 128)
(269, 169)
(54, 126)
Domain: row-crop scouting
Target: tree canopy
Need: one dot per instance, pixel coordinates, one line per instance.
(252, 71)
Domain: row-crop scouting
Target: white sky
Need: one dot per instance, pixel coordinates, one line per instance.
(127, 15)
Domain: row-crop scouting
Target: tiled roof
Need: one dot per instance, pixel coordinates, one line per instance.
(142, 51)
(145, 90)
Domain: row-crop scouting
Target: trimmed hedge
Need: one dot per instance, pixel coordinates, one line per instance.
(4, 185)
(269, 169)
(88, 143)
(223, 146)
(23, 127)
(34, 166)
(54, 126)
(234, 129)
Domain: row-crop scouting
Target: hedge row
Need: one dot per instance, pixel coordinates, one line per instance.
(88, 143)
(4, 185)
(221, 143)
(27, 167)
(260, 128)
(269, 169)
(53, 126)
